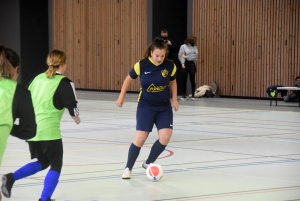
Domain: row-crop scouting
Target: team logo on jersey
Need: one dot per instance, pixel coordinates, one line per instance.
(164, 73)
(153, 88)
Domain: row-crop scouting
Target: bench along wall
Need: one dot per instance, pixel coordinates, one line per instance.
(244, 46)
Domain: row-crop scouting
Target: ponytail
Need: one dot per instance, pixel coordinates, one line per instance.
(50, 72)
(158, 43)
(54, 60)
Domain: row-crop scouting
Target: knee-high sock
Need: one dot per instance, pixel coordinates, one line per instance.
(133, 153)
(50, 184)
(156, 150)
(27, 170)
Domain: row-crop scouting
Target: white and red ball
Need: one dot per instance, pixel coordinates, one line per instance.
(154, 172)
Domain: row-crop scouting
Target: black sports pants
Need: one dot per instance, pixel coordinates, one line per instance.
(190, 69)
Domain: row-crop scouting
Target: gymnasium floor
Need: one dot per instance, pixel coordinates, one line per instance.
(221, 150)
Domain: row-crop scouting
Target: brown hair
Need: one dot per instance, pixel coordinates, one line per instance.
(165, 30)
(54, 60)
(158, 43)
(6, 69)
(191, 40)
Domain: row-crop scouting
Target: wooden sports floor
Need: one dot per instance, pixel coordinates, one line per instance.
(221, 150)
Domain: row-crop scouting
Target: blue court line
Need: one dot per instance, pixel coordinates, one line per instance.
(167, 172)
(98, 178)
(286, 138)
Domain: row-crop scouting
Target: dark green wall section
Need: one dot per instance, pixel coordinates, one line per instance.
(172, 15)
(24, 28)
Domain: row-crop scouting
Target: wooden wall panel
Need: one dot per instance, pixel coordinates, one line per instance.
(297, 36)
(246, 46)
(232, 50)
(102, 39)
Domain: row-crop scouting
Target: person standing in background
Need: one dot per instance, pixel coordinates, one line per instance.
(16, 114)
(51, 92)
(170, 43)
(188, 55)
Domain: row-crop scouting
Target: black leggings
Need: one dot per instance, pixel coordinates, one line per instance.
(190, 69)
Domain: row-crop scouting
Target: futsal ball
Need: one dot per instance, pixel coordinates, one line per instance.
(154, 172)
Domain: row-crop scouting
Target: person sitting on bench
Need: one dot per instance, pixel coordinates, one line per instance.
(294, 96)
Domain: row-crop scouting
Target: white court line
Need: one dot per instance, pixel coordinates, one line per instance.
(194, 106)
(234, 128)
(98, 159)
(269, 138)
(279, 180)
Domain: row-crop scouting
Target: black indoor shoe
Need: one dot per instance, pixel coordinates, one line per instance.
(7, 183)
(48, 199)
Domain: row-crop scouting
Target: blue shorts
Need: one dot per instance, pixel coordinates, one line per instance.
(146, 118)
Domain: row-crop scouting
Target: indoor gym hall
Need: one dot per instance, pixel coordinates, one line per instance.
(221, 149)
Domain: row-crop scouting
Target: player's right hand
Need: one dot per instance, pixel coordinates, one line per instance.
(120, 102)
(76, 119)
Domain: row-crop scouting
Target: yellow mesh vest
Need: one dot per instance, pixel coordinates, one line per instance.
(47, 116)
(7, 92)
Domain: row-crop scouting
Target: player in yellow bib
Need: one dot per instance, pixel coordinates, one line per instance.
(51, 92)
(16, 109)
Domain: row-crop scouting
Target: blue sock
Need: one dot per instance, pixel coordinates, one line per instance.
(50, 183)
(133, 153)
(156, 150)
(27, 170)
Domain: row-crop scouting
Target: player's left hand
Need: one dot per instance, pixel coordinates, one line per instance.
(175, 104)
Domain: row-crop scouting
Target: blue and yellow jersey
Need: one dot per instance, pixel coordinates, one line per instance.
(155, 80)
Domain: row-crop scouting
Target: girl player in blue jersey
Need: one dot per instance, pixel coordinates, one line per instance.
(157, 78)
